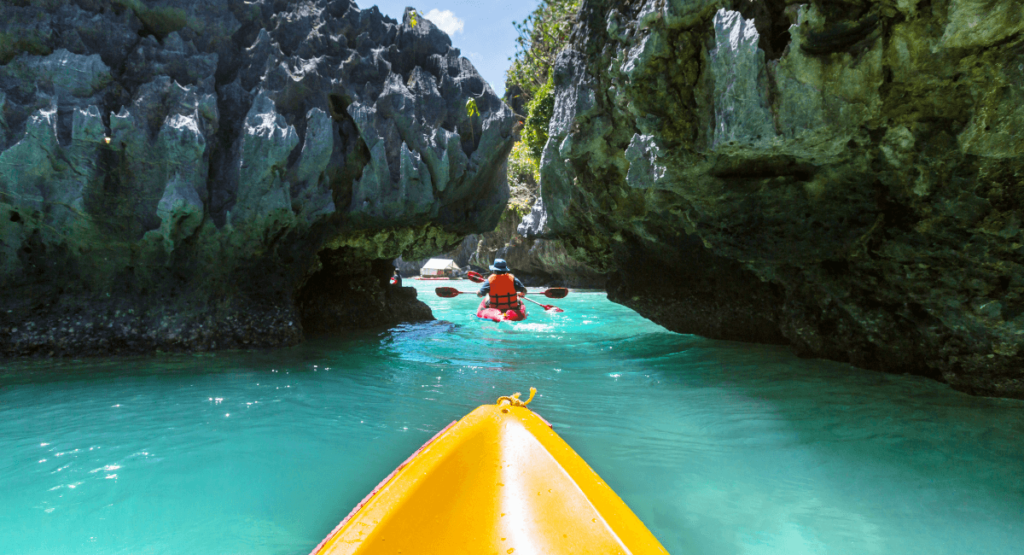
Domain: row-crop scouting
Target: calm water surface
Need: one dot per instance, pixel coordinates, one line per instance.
(720, 448)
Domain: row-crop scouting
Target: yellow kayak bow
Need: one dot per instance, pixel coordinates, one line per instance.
(499, 481)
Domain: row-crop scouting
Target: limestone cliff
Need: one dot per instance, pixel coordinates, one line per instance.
(186, 174)
(846, 176)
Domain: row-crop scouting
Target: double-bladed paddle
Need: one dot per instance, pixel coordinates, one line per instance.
(450, 292)
(553, 293)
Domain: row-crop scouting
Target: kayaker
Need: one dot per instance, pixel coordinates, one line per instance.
(396, 279)
(502, 288)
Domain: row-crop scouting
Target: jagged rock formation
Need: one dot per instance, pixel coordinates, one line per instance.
(177, 174)
(851, 184)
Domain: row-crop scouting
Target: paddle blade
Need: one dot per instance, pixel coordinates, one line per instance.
(556, 293)
(475, 277)
(447, 292)
(552, 308)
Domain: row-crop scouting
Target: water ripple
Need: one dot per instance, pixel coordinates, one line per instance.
(721, 448)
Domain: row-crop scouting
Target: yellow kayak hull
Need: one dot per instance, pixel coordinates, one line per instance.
(499, 481)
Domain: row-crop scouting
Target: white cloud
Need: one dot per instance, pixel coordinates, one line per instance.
(446, 21)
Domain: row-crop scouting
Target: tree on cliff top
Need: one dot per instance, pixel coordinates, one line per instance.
(542, 35)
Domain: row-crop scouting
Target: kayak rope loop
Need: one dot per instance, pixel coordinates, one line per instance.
(514, 399)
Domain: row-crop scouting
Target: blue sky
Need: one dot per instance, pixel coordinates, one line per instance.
(482, 30)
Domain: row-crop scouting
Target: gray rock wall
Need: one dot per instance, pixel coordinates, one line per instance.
(844, 176)
(175, 173)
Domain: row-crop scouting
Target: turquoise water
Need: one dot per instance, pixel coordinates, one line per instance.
(720, 448)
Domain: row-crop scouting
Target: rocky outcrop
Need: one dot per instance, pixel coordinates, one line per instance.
(845, 176)
(196, 175)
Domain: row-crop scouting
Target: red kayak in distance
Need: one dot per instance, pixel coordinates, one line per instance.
(496, 315)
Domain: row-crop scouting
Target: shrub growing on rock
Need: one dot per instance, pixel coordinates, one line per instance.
(542, 35)
(523, 179)
(541, 108)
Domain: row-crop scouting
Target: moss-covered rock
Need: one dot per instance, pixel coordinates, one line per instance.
(540, 109)
(851, 185)
(197, 175)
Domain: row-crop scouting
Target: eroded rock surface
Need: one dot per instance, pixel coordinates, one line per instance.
(184, 174)
(846, 176)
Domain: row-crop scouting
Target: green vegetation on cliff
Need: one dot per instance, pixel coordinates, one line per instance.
(523, 180)
(529, 82)
(540, 110)
(542, 35)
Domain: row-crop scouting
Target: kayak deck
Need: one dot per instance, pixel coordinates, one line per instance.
(498, 481)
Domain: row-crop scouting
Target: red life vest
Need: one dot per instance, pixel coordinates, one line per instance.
(503, 294)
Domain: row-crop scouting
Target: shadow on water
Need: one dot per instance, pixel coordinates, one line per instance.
(771, 453)
(358, 343)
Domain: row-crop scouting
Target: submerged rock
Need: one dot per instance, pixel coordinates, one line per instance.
(842, 176)
(198, 175)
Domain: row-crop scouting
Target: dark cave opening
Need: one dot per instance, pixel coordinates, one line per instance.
(772, 18)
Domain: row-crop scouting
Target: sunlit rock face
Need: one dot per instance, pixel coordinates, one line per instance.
(844, 176)
(185, 174)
